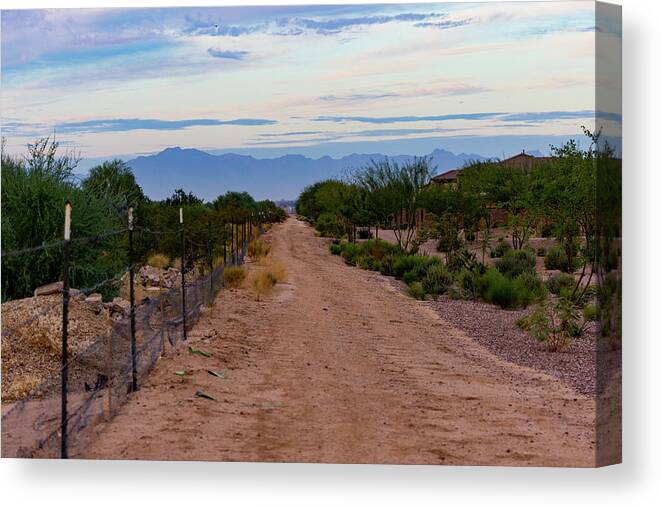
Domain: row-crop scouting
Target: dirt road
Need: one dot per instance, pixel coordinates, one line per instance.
(338, 366)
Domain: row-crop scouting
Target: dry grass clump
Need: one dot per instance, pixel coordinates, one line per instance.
(21, 387)
(161, 261)
(233, 276)
(270, 273)
(258, 248)
(262, 283)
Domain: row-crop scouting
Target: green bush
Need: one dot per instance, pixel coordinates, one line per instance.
(556, 258)
(467, 284)
(501, 248)
(387, 264)
(496, 288)
(336, 248)
(377, 248)
(559, 283)
(365, 262)
(591, 313)
(516, 262)
(34, 191)
(437, 280)
(535, 290)
(350, 251)
(403, 264)
(329, 226)
(416, 290)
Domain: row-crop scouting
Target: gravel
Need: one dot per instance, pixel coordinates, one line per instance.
(496, 330)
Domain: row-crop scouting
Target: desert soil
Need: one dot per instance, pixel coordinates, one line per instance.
(339, 366)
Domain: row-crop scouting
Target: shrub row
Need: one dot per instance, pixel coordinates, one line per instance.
(512, 284)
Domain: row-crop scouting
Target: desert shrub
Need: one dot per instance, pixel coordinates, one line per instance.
(377, 248)
(329, 225)
(364, 262)
(350, 251)
(386, 266)
(591, 313)
(516, 262)
(559, 283)
(416, 265)
(466, 285)
(535, 290)
(498, 289)
(416, 290)
(541, 251)
(233, 276)
(335, 248)
(556, 258)
(420, 265)
(159, 261)
(403, 264)
(609, 297)
(263, 283)
(437, 280)
(501, 248)
(258, 248)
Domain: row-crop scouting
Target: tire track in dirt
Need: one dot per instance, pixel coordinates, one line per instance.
(339, 366)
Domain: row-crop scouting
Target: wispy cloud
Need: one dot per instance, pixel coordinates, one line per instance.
(406, 119)
(287, 134)
(444, 25)
(127, 124)
(229, 55)
(529, 117)
(357, 97)
(274, 138)
(332, 26)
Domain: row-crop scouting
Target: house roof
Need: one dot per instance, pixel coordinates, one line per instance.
(446, 176)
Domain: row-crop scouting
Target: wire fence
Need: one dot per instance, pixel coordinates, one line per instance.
(61, 417)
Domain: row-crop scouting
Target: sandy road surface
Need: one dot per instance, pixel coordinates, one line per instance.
(338, 366)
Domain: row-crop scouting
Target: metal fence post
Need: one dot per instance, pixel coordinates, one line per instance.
(232, 238)
(64, 451)
(183, 272)
(225, 246)
(134, 365)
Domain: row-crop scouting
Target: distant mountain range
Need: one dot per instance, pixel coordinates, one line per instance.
(208, 175)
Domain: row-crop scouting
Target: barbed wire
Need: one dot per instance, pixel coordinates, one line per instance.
(23, 251)
(61, 243)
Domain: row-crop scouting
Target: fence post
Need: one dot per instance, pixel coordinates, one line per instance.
(64, 452)
(183, 272)
(232, 238)
(225, 246)
(210, 264)
(134, 365)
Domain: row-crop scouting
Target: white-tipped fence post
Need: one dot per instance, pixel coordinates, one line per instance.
(65, 324)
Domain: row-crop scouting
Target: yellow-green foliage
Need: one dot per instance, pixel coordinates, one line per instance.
(270, 273)
(233, 276)
(263, 283)
(258, 248)
(159, 261)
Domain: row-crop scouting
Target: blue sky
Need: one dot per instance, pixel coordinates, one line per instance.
(132, 81)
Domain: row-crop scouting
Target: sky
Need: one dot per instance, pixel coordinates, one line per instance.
(300, 79)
